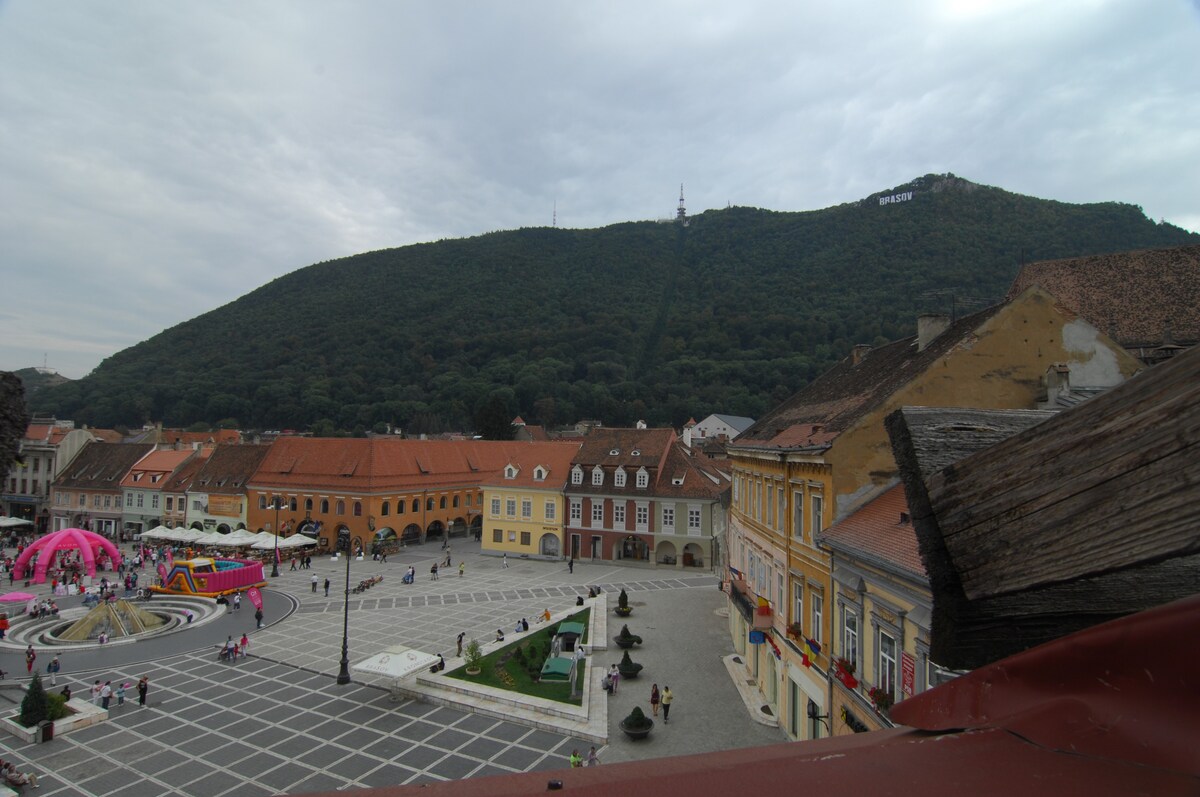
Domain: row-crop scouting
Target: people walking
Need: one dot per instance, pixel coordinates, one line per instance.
(570, 565)
(666, 699)
(326, 587)
(121, 693)
(315, 581)
(244, 644)
(576, 759)
(143, 686)
(592, 759)
(96, 687)
(258, 617)
(30, 658)
(433, 572)
(614, 677)
(462, 568)
(504, 560)
(459, 641)
(654, 698)
(53, 667)
(237, 601)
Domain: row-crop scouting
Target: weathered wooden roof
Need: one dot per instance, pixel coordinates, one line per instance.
(1071, 521)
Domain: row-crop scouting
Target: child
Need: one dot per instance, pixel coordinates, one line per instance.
(121, 694)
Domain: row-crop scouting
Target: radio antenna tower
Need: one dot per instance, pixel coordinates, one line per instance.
(554, 218)
(681, 214)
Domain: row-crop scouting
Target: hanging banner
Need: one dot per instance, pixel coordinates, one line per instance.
(255, 597)
(908, 674)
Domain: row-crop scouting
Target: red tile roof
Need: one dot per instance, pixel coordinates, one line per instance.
(554, 457)
(876, 533)
(156, 462)
(1133, 296)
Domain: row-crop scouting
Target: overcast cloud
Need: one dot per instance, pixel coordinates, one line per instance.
(159, 160)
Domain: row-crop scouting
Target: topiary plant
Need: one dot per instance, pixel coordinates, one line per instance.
(628, 667)
(625, 639)
(35, 707)
(623, 605)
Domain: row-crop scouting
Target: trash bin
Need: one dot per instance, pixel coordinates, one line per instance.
(45, 731)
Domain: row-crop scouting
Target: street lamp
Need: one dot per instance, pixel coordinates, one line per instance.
(344, 673)
(275, 563)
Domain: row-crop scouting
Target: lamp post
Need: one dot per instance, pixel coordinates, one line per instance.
(344, 673)
(275, 563)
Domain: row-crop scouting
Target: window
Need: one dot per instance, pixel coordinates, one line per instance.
(324, 506)
(108, 501)
(597, 475)
(442, 502)
(416, 505)
(262, 501)
(140, 500)
(401, 505)
(429, 504)
(642, 516)
(779, 591)
(308, 504)
(693, 518)
(496, 507)
(886, 673)
(597, 513)
(798, 515)
(770, 505)
(817, 602)
(456, 501)
(817, 505)
(619, 515)
(576, 512)
(526, 538)
(576, 475)
(668, 518)
(170, 502)
(798, 602)
(849, 635)
(510, 472)
(737, 493)
(619, 478)
(154, 500)
(539, 474)
(781, 515)
(526, 508)
(128, 499)
(643, 479)
(385, 508)
(358, 508)
(96, 501)
(196, 505)
(497, 535)
(551, 510)
(292, 503)
(341, 507)
(510, 507)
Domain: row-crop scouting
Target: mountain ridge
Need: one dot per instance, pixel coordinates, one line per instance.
(647, 320)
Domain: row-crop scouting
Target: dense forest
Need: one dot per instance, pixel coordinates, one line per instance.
(731, 313)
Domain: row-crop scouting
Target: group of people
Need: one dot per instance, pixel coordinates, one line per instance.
(12, 777)
(578, 761)
(232, 650)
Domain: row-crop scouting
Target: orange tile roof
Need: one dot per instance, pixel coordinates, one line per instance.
(554, 457)
(876, 532)
(156, 462)
(38, 432)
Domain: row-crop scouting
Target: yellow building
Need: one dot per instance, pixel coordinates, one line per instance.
(523, 504)
(824, 452)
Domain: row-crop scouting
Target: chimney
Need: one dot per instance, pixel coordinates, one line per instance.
(687, 436)
(904, 518)
(929, 326)
(859, 353)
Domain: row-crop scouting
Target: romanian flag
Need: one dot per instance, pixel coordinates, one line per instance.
(812, 646)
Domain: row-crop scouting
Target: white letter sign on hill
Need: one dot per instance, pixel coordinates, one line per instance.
(903, 196)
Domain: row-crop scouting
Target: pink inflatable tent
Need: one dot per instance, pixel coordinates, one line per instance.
(87, 542)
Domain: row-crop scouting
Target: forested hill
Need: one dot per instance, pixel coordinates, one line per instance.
(657, 321)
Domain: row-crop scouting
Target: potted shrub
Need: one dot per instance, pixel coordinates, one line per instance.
(628, 667)
(626, 640)
(637, 725)
(882, 698)
(796, 631)
(843, 670)
(473, 654)
(623, 609)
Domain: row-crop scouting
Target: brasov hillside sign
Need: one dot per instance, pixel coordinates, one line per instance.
(903, 196)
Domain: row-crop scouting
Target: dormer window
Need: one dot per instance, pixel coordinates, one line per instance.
(539, 474)
(643, 479)
(576, 475)
(510, 472)
(616, 452)
(635, 453)
(619, 478)
(597, 475)
(677, 480)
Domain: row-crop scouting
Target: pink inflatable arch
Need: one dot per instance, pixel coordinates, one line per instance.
(88, 542)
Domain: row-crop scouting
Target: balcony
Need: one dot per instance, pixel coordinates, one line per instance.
(740, 596)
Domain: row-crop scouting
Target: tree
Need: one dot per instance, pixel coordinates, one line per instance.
(493, 419)
(35, 707)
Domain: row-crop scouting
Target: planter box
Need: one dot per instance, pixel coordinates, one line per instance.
(86, 713)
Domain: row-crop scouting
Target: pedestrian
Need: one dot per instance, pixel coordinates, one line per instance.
(121, 694)
(504, 560)
(143, 687)
(30, 658)
(461, 634)
(666, 698)
(106, 693)
(570, 565)
(293, 563)
(462, 568)
(433, 572)
(66, 692)
(258, 617)
(96, 693)
(237, 601)
(654, 698)
(245, 643)
(592, 759)
(614, 675)
(314, 582)
(576, 759)
(326, 587)
(53, 667)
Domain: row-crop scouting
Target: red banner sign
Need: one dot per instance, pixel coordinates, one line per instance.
(255, 597)
(908, 674)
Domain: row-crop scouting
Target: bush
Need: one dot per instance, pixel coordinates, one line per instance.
(58, 706)
(519, 655)
(35, 707)
(473, 654)
(623, 600)
(637, 720)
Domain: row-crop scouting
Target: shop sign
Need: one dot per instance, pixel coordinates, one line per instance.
(908, 673)
(757, 637)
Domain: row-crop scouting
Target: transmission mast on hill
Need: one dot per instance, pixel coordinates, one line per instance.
(554, 218)
(681, 214)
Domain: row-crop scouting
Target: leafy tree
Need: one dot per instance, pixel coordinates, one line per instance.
(35, 706)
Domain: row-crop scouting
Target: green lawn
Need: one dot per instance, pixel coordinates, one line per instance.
(502, 669)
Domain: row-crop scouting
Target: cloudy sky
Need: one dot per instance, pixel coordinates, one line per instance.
(159, 160)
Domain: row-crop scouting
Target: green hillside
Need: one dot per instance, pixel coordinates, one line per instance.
(647, 320)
